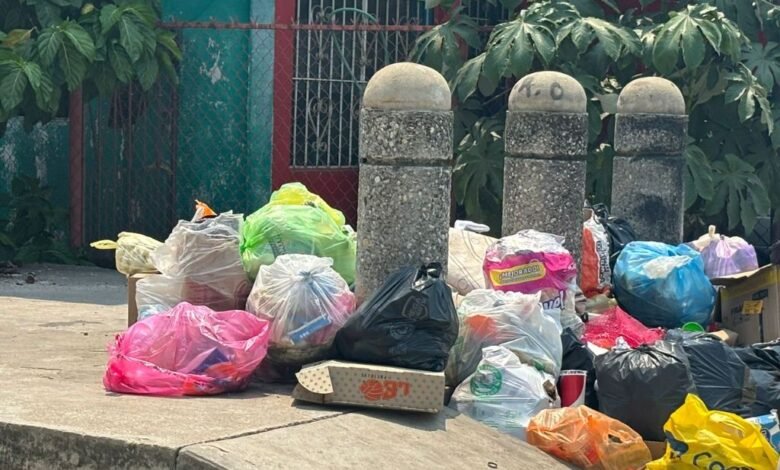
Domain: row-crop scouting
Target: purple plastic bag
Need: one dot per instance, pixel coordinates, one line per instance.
(724, 256)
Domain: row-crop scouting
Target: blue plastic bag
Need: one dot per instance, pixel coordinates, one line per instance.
(662, 285)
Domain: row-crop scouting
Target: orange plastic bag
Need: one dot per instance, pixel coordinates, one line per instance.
(588, 439)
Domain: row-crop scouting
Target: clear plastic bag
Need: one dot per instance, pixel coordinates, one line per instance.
(133, 252)
(724, 256)
(531, 262)
(189, 350)
(298, 222)
(306, 301)
(491, 318)
(604, 330)
(200, 264)
(663, 285)
(588, 439)
(504, 393)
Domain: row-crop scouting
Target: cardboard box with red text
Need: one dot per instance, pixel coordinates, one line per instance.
(349, 383)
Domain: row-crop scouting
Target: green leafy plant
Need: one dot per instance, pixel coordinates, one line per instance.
(30, 225)
(723, 55)
(51, 47)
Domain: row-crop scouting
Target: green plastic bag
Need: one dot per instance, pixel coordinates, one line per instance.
(296, 221)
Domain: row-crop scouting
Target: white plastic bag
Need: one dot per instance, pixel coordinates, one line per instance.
(504, 393)
(466, 255)
(306, 301)
(133, 252)
(492, 318)
(200, 264)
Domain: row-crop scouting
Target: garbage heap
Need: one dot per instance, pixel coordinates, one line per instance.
(649, 356)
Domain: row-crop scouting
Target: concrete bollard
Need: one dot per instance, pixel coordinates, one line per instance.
(647, 177)
(405, 173)
(546, 141)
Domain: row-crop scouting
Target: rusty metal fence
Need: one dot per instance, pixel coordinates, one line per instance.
(256, 105)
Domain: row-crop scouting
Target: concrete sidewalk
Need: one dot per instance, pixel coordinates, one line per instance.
(54, 412)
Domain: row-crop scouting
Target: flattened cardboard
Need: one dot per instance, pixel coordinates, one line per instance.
(132, 306)
(750, 304)
(349, 383)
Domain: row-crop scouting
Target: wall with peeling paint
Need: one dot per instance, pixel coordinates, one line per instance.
(43, 152)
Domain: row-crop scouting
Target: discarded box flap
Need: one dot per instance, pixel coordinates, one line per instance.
(735, 278)
(316, 378)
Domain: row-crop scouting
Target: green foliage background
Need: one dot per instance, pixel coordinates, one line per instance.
(724, 55)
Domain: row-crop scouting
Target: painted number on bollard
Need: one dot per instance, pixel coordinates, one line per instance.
(527, 85)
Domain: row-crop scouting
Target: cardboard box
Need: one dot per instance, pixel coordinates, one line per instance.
(349, 383)
(132, 307)
(750, 304)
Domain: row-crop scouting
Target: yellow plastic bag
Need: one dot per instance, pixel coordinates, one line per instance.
(133, 252)
(588, 439)
(296, 194)
(701, 439)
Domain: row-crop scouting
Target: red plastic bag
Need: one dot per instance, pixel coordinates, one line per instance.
(188, 350)
(604, 330)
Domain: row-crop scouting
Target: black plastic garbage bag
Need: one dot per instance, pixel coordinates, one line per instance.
(641, 387)
(619, 230)
(577, 356)
(764, 363)
(409, 322)
(722, 380)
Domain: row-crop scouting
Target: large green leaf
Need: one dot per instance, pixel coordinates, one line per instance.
(73, 66)
(130, 38)
(687, 33)
(438, 48)
(698, 176)
(764, 62)
(147, 71)
(13, 82)
(745, 89)
(616, 40)
(465, 83)
(80, 39)
(738, 185)
(48, 45)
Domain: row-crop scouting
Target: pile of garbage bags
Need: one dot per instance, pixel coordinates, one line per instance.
(511, 329)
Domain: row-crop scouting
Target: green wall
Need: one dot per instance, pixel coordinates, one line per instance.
(43, 152)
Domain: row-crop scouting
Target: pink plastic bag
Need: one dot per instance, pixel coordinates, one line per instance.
(188, 350)
(531, 262)
(605, 329)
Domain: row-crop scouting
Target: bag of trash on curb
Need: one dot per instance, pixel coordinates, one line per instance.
(722, 380)
(188, 350)
(663, 285)
(504, 393)
(588, 439)
(619, 230)
(724, 256)
(641, 387)
(466, 255)
(296, 221)
(531, 262)
(764, 363)
(577, 356)
(491, 318)
(596, 274)
(698, 438)
(410, 321)
(604, 330)
(306, 302)
(133, 252)
(200, 264)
